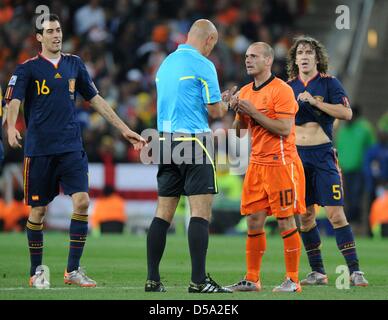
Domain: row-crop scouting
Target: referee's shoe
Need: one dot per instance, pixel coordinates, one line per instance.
(154, 286)
(208, 286)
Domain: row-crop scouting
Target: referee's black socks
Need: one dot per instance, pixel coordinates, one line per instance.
(156, 242)
(198, 234)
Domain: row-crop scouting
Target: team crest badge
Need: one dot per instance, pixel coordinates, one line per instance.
(71, 85)
(12, 81)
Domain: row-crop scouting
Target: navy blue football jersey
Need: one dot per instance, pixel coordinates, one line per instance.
(49, 92)
(325, 88)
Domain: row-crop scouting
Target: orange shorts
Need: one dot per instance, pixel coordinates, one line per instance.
(279, 190)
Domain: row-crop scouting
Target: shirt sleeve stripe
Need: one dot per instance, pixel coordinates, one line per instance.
(206, 89)
(186, 78)
(8, 94)
(345, 101)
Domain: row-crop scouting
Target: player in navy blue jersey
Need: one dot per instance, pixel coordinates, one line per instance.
(322, 99)
(54, 156)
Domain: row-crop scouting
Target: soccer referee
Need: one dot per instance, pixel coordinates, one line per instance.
(187, 93)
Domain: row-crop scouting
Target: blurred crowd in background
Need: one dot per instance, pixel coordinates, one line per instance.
(123, 42)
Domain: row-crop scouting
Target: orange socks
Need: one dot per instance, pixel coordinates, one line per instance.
(255, 247)
(292, 248)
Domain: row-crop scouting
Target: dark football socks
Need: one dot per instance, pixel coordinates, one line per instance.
(78, 233)
(347, 246)
(198, 236)
(312, 243)
(35, 244)
(156, 242)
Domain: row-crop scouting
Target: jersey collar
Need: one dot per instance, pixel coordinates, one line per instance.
(254, 88)
(188, 47)
(308, 81)
(54, 65)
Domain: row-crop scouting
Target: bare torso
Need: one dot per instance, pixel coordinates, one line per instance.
(310, 134)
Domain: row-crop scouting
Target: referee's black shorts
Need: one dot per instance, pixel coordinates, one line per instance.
(186, 165)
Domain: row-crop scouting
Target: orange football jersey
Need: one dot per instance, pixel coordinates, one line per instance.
(276, 100)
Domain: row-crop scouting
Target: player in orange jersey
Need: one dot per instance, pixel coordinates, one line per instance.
(274, 182)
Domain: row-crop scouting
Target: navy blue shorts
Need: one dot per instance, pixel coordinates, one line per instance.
(43, 175)
(323, 175)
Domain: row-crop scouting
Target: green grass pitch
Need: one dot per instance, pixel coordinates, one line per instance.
(118, 264)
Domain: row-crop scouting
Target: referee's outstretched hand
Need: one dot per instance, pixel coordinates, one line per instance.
(134, 138)
(228, 94)
(14, 137)
(233, 101)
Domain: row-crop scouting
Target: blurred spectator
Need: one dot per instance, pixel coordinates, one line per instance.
(5, 51)
(6, 12)
(16, 213)
(353, 138)
(2, 213)
(109, 212)
(376, 163)
(88, 17)
(123, 43)
(378, 218)
(382, 124)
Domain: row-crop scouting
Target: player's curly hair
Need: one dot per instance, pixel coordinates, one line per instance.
(320, 52)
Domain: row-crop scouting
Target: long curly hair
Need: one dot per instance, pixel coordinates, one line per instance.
(320, 52)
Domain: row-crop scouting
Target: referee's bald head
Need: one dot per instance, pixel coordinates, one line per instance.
(203, 35)
(202, 28)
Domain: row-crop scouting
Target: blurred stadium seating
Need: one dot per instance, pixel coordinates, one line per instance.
(124, 41)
